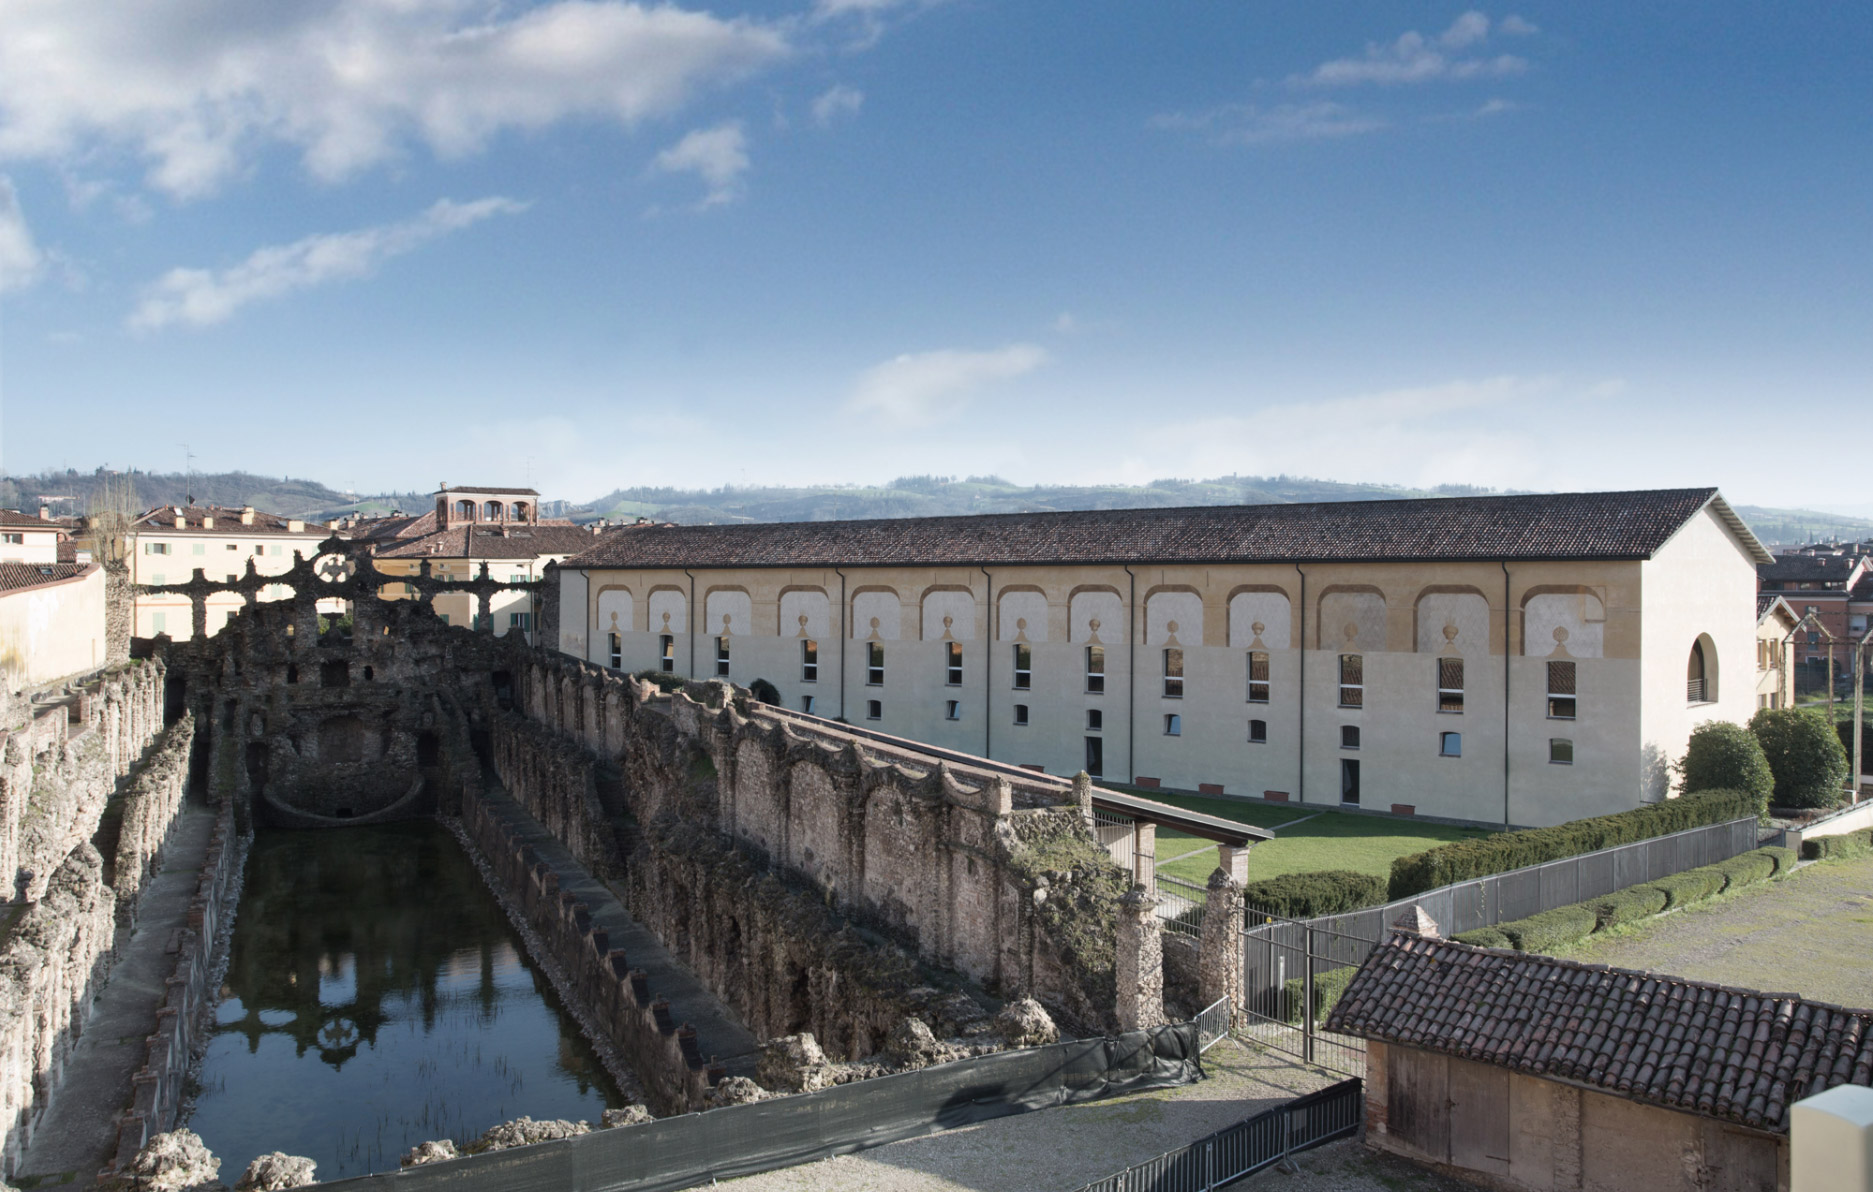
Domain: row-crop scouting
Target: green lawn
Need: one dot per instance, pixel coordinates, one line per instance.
(1332, 840)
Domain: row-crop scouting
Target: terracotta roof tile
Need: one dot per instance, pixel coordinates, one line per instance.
(1626, 525)
(14, 576)
(1728, 1053)
(163, 517)
(12, 518)
(490, 542)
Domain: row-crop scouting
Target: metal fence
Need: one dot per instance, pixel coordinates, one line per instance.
(1248, 1146)
(1180, 904)
(1310, 967)
(1212, 1024)
(1482, 902)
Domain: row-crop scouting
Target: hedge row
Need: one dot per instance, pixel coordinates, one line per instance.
(1464, 860)
(1328, 987)
(1833, 848)
(1305, 895)
(1569, 924)
(1785, 858)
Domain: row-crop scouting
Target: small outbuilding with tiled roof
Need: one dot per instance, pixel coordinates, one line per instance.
(1550, 1074)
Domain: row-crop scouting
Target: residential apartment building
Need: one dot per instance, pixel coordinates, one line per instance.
(169, 544)
(1532, 659)
(42, 539)
(1776, 621)
(471, 527)
(1833, 585)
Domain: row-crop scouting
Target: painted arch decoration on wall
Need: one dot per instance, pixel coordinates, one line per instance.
(1096, 616)
(1260, 621)
(614, 611)
(805, 612)
(1564, 625)
(1164, 609)
(877, 615)
(728, 612)
(1022, 616)
(949, 614)
(1455, 624)
(669, 611)
(1352, 620)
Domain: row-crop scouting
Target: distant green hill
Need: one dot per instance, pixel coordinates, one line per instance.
(72, 492)
(1791, 527)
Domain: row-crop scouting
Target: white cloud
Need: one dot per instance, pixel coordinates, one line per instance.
(920, 388)
(1249, 124)
(202, 297)
(20, 259)
(1416, 57)
(840, 101)
(197, 89)
(719, 156)
(1515, 26)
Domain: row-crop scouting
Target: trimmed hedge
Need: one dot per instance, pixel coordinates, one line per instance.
(1834, 848)
(1498, 853)
(1784, 858)
(1693, 885)
(1551, 929)
(1325, 892)
(1328, 987)
(1484, 937)
(1629, 905)
(1746, 869)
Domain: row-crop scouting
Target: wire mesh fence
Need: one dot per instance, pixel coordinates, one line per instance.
(1248, 1146)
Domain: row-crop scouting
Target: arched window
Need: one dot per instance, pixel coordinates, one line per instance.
(518, 512)
(1700, 676)
(491, 511)
(465, 510)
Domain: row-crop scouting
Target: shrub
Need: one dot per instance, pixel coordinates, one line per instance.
(1805, 755)
(660, 680)
(1725, 756)
(1328, 987)
(1325, 892)
(1693, 885)
(1784, 858)
(1746, 869)
(1835, 848)
(1551, 929)
(1484, 937)
(1629, 905)
(764, 691)
(1502, 851)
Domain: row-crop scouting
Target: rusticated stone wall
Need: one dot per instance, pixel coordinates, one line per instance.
(152, 798)
(734, 806)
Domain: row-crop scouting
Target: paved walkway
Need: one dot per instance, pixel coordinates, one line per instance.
(1054, 1150)
(77, 1132)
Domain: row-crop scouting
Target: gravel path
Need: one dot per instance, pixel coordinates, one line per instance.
(1805, 934)
(1350, 1167)
(1055, 1150)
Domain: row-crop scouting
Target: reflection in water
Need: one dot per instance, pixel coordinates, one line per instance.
(376, 997)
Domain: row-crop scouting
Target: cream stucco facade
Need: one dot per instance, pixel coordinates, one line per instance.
(169, 546)
(1620, 630)
(54, 629)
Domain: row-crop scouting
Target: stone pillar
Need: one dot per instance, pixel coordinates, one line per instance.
(1083, 797)
(1145, 854)
(198, 607)
(1140, 1002)
(1219, 950)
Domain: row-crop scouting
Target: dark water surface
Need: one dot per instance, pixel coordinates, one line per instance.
(376, 996)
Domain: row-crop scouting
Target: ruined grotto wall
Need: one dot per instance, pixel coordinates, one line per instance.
(556, 780)
(152, 799)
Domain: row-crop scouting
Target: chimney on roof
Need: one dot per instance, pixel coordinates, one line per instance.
(45, 513)
(247, 515)
(181, 521)
(295, 526)
(208, 521)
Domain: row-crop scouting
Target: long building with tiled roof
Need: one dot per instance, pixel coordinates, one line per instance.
(1526, 659)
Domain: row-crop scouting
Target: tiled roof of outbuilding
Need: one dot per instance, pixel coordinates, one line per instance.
(14, 576)
(227, 521)
(1626, 525)
(1727, 1053)
(1810, 569)
(491, 542)
(491, 491)
(13, 519)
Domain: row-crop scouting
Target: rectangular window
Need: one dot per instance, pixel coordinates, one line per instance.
(721, 657)
(1258, 731)
(15, 539)
(159, 622)
(159, 578)
(1560, 751)
(1349, 780)
(1095, 757)
(616, 642)
(1095, 720)
(520, 620)
(1173, 725)
(1450, 684)
(806, 704)
(809, 661)
(953, 673)
(1450, 744)
(1173, 673)
(1021, 714)
(874, 664)
(1352, 681)
(516, 579)
(874, 709)
(201, 548)
(155, 548)
(666, 653)
(445, 620)
(234, 546)
(1024, 666)
(1561, 692)
(260, 548)
(952, 709)
(276, 550)
(1095, 669)
(1349, 736)
(1258, 677)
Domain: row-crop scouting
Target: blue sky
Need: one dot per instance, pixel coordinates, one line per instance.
(386, 243)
